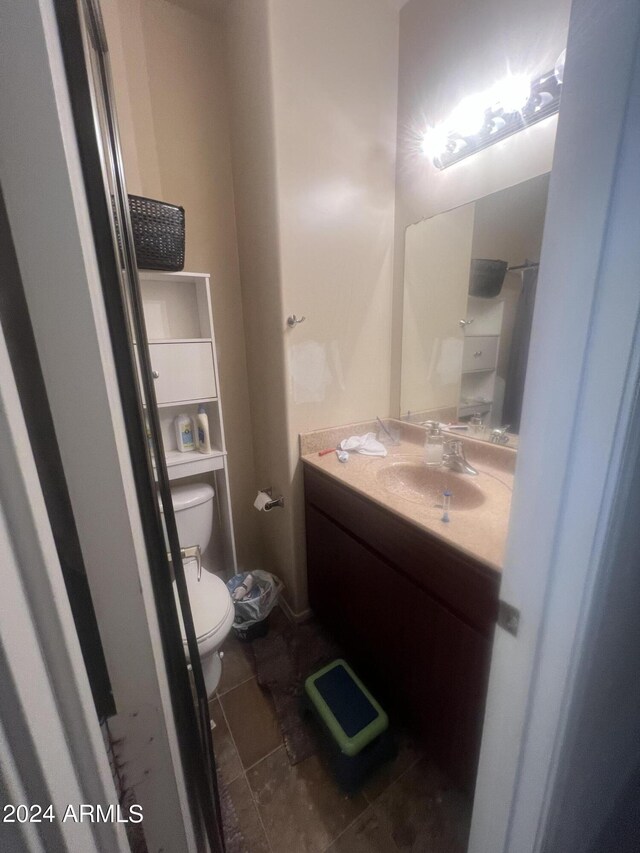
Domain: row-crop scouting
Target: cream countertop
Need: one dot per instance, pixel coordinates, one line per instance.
(479, 531)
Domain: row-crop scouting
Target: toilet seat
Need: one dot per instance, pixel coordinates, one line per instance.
(211, 606)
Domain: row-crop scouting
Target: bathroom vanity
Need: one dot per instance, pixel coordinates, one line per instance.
(413, 599)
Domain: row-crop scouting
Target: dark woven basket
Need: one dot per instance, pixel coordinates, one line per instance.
(486, 277)
(158, 234)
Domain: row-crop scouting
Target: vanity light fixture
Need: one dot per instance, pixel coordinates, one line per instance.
(483, 119)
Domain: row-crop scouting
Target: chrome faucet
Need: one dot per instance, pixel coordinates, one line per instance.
(499, 436)
(455, 459)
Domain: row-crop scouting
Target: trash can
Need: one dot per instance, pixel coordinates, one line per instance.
(354, 727)
(254, 595)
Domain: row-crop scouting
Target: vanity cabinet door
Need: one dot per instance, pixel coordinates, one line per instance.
(385, 624)
(357, 595)
(463, 662)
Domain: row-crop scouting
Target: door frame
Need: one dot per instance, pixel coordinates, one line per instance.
(582, 379)
(42, 181)
(51, 746)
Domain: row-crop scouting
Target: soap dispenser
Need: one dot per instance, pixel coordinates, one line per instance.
(433, 444)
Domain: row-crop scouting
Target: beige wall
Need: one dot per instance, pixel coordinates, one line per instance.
(253, 148)
(447, 51)
(171, 94)
(335, 91)
(314, 89)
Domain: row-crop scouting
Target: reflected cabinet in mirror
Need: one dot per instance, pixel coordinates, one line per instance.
(469, 289)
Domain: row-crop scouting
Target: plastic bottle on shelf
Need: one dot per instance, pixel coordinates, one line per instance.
(185, 437)
(202, 429)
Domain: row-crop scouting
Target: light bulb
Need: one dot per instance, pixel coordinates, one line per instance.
(543, 99)
(512, 93)
(497, 123)
(468, 118)
(434, 141)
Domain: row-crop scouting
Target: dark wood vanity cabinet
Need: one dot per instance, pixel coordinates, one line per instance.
(415, 615)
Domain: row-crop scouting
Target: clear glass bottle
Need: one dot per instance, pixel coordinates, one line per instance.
(476, 424)
(433, 444)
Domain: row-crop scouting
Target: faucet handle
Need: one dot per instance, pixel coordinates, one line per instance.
(499, 436)
(455, 446)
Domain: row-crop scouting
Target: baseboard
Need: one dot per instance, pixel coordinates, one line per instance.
(293, 616)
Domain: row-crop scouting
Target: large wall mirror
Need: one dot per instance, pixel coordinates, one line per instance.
(469, 290)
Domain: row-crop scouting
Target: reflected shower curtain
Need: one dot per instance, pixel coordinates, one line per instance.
(514, 388)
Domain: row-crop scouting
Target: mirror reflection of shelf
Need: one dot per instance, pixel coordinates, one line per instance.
(480, 357)
(476, 408)
(477, 389)
(485, 316)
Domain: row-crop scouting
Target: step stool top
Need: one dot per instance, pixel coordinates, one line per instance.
(344, 704)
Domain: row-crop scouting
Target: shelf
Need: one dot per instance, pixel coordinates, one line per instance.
(465, 409)
(180, 341)
(181, 337)
(175, 403)
(164, 275)
(176, 457)
(192, 462)
(176, 308)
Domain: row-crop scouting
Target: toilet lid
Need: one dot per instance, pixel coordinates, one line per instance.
(209, 598)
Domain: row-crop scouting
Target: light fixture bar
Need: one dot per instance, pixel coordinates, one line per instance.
(470, 129)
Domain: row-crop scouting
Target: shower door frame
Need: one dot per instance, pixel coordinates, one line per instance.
(62, 271)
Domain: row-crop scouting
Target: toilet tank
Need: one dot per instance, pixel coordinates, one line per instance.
(193, 507)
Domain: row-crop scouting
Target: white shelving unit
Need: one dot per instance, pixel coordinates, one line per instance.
(180, 331)
(480, 356)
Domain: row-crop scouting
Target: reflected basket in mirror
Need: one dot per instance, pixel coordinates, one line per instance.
(486, 277)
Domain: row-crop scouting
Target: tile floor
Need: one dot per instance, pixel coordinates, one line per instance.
(408, 806)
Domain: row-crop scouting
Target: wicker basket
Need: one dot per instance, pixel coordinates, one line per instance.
(486, 277)
(158, 234)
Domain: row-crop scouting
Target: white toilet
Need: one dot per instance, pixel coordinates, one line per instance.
(211, 604)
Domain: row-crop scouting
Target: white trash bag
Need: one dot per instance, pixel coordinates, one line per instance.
(254, 595)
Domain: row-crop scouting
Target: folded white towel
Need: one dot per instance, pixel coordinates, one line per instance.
(366, 444)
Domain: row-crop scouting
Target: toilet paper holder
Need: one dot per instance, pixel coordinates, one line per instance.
(274, 502)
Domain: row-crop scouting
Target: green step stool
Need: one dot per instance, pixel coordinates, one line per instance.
(353, 725)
